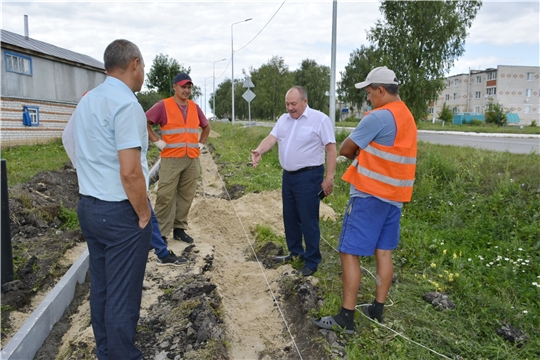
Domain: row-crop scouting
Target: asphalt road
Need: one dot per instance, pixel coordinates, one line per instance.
(514, 143)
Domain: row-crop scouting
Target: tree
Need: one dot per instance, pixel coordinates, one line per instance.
(162, 73)
(495, 113)
(361, 62)
(446, 114)
(224, 97)
(420, 40)
(316, 80)
(272, 80)
(147, 99)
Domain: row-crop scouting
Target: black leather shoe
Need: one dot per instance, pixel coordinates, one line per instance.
(283, 259)
(305, 271)
(180, 234)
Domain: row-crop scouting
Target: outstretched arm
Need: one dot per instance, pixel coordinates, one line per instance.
(265, 145)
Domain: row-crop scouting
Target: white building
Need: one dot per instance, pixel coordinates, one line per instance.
(40, 85)
(516, 88)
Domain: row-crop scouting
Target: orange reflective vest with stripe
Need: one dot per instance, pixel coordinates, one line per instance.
(388, 171)
(182, 138)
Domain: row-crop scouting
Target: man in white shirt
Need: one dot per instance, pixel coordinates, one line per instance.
(303, 135)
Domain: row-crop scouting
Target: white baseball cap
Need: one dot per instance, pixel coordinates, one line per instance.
(380, 75)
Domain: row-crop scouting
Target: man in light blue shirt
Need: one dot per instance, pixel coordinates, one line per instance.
(111, 141)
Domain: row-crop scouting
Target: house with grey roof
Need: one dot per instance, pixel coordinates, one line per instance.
(40, 87)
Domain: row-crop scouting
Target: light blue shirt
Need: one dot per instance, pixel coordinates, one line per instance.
(107, 119)
(302, 141)
(378, 126)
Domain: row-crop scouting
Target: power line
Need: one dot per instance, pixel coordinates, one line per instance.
(279, 8)
(224, 70)
(263, 26)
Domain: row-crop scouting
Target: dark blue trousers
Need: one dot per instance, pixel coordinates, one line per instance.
(157, 242)
(118, 250)
(301, 213)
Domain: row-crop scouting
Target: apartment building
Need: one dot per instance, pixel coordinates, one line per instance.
(516, 88)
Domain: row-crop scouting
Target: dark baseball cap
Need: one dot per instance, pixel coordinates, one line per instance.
(182, 79)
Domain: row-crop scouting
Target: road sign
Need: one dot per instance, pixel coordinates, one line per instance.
(248, 84)
(249, 95)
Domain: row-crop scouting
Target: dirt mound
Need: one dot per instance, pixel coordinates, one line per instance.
(39, 209)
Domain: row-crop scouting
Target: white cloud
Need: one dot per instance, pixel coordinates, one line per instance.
(506, 23)
(197, 33)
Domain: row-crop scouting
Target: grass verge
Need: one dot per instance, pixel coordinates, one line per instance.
(25, 161)
(471, 231)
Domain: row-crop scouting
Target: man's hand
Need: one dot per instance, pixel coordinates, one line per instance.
(201, 146)
(143, 221)
(255, 157)
(160, 144)
(263, 148)
(327, 186)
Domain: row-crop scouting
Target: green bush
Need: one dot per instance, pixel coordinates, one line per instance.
(446, 114)
(496, 114)
(476, 122)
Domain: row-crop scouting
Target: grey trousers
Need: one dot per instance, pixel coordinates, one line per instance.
(177, 185)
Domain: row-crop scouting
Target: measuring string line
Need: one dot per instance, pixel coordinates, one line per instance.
(260, 266)
(277, 304)
(391, 304)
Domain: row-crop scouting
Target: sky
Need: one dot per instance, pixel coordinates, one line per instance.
(198, 33)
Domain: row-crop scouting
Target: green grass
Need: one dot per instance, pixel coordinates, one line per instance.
(472, 231)
(233, 154)
(69, 218)
(23, 162)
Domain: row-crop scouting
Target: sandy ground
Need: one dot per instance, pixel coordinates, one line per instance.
(222, 229)
(254, 325)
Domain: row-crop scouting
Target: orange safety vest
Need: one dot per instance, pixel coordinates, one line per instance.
(388, 171)
(181, 137)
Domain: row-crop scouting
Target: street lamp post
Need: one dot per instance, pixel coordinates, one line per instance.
(205, 94)
(232, 64)
(214, 85)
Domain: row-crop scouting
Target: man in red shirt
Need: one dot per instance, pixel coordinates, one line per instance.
(180, 119)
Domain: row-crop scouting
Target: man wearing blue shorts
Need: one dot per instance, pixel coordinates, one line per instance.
(383, 147)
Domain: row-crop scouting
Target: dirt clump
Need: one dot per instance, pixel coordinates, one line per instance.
(39, 209)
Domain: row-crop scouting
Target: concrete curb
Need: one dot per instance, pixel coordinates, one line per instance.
(503, 135)
(28, 340)
(480, 134)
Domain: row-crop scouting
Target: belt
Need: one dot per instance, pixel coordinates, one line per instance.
(95, 199)
(304, 169)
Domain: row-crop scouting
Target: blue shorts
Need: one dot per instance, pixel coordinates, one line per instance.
(369, 224)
